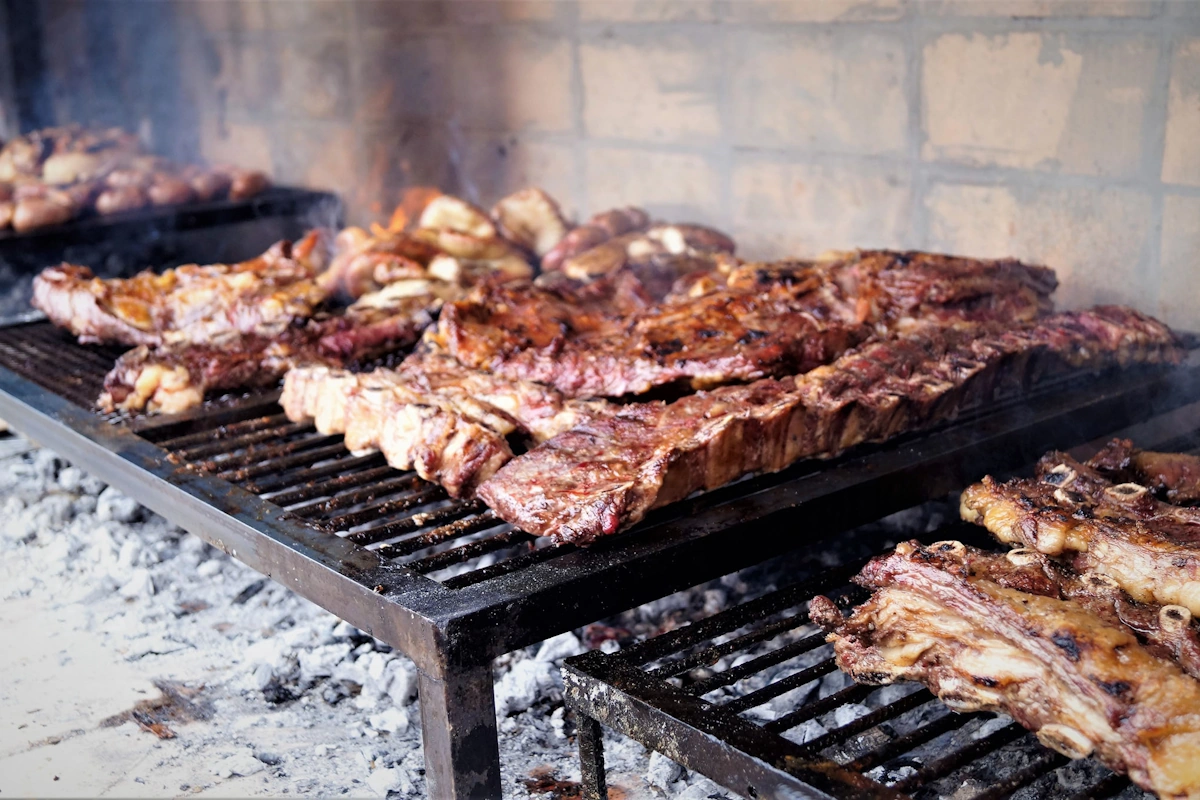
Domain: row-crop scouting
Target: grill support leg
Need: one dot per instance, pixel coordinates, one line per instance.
(458, 727)
(591, 759)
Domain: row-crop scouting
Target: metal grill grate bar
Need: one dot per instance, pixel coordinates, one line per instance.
(783, 686)
(1044, 763)
(417, 496)
(379, 484)
(417, 521)
(466, 552)
(312, 478)
(304, 458)
(230, 445)
(894, 709)
(443, 533)
(734, 674)
(944, 766)
(710, 655)
(509, 565)
(179, 444)
(911, 740)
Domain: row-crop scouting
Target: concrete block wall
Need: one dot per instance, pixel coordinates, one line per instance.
(1060, 131)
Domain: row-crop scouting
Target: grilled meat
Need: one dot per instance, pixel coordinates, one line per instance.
(1150, 549)
(604, 475)
(532, 219)
(595, 343)
(1175, 476)
(1082, 684)
(1166, 631)
(596, 231)
(737, 323)
(260, 297)
(418, 414)
(67, 171)
(173, 377)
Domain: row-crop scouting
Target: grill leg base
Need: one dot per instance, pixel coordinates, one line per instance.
(591, 759)
(458, 728)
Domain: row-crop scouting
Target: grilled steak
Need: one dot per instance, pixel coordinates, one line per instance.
(189, 304)
(173, 377)
(751, 322)
(1174, 475)
(609, 348)
(1082, 684)
(1150, 549)
(604, 475)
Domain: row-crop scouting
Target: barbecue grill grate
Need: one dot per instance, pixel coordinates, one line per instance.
(447, 583)
(752, 698)
(247, 441)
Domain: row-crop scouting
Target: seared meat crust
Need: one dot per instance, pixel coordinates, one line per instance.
(176, 376)
(1176, 476)
(604, 475)
(1082, 684)
(1150, 549)
(259, 297)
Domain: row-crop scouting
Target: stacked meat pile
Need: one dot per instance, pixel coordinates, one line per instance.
(1084, 633)
(540, 341)
(53, 175)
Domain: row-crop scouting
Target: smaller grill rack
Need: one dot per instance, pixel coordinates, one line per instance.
(450, 585)
(219, 231)
(752, 698)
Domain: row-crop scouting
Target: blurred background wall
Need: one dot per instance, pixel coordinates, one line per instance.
(1060, 131)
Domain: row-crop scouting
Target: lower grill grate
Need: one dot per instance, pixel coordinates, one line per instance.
(752, 698)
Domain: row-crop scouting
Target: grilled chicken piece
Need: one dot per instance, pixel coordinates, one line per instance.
(190, 304)
(1150, 549)
(51, 208)
(1173, 475)
(1083, 685)
(120, 198)
(640, 247)
(531, 219)
(604, 475)
(454, 214)
(171, 378)
(597, 230)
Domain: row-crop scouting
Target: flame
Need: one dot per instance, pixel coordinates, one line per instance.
(412, 202)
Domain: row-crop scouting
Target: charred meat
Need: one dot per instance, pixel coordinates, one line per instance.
(1175, 476)
(605, 474)
(189, 304)
(1083, 685)
(176, 376)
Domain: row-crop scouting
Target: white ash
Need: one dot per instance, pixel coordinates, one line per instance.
(307, 704)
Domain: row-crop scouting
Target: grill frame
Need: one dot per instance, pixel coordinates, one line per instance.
(624, 692)
(452, 630)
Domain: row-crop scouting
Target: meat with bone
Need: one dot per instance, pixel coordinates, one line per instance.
(759, 321)
(1166, 631)
(173, 377)
(1173, 475)
(259, 297)
(1150, 549)
(448, 425)
(582, 348)
(431, 414)
(605, 474)
(1082, 684)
